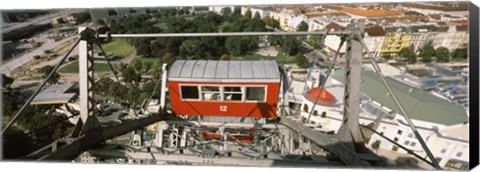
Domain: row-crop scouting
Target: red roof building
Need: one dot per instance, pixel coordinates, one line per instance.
(325, 98)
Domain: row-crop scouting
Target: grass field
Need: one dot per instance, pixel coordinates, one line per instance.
(98, 67)
(280, 58)
(119, 47)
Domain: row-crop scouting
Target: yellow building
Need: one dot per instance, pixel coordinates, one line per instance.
(392, 44)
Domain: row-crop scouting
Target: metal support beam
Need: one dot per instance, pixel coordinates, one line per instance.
(86, 80)
(163, 89)
(73, 149)
(164, 158)
(224, 34)
(327, 142)
(352, 86)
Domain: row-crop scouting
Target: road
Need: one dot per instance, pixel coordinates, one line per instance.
(9, 66)
(41, 20)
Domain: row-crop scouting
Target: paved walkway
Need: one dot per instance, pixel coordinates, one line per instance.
(267, 51)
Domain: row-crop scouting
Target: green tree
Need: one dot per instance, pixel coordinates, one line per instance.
(194, 48)
(116, 27)
(60, 20)
(157, 48)
(121, 66)
(143, 48)
(46, 71)
(130, 76)
(315, 41)
(155, 75)
(408, 54)
(147, 65)
(9, 105)
(376, 144)
(248, 14)
(256, 16)
(271, 22)
(290, 45)
(226, 12)
(16, 143)
(100, 22)
(301, 60)
(442, 54)
(148, 88)
(6, 81)
(168, 58)
(103, 85)
(117, 90)
(224, 57)
(233, 46)
(143, 96)
(82, 17)
(427, 52)
(137, 65)
(460, 53)
(303, 26)
(133, 94)
(387, 56)
(275, 40)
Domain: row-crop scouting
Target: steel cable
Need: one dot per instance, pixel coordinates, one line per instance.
(329, 71)
(39, 88)
(397, 102)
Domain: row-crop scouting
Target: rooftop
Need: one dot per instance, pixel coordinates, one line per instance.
(366, 13)
(333, 26)
(375, 30)
(458, 131)
(329, 14)
(54, 94)
(372, 13)
(419, 104)
(412, 13)
(209, 70)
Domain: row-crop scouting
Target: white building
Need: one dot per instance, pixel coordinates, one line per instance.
(282, 16)
(441, 124)
(451, 39)
(427, 9)
(332, 42)
(419, 39)
(263, 11)
(317, 23)
(294, 21)
(374, 36)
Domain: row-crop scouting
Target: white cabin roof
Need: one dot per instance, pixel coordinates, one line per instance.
(224, 71)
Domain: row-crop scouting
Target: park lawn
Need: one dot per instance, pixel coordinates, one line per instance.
(98, 67)
(120, 47)
(161, 24)
(282, 59)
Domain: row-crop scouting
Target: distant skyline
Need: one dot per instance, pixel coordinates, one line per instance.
(49, 4)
